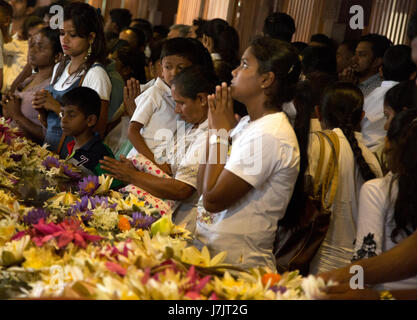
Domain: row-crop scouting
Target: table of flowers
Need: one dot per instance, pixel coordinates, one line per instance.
(71, 236)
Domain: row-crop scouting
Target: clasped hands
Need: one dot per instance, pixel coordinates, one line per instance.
(220, 113)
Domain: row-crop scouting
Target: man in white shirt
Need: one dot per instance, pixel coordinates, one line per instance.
(397, 67)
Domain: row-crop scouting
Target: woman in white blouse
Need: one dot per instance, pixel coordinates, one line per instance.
(341, 111)
(244, 195)
(388, 206)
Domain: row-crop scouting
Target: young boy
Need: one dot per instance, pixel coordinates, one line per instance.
(155, 107)
(79, 115)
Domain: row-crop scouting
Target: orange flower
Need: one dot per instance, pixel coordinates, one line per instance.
(124, 224)
(273, 276)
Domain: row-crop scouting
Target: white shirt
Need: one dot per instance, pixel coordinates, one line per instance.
(15, 55)
(289, 109)
(375, 225)
(337, 248)
(155, 110)
(266, 155)
(373, 122)
(147, 85)
(185, 169)
(96, 79)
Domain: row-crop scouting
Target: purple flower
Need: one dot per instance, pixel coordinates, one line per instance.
(82, 206)
(79, 207)
(280, 289)
(141, 221)
(70, 173)
(88, 185)
(16, 157)
(51, 162)
(34, 216)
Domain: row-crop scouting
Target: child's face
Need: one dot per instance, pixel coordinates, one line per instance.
(74, 122)
(71, 43)
(172, 65)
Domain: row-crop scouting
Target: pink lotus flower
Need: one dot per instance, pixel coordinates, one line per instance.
(65, 232)
(116, 268)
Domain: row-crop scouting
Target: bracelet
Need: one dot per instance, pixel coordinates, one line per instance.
(386, 295)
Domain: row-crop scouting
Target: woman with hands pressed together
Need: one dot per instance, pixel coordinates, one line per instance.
(190, 90)
(44, 51)
(82, 40)
(245, 194)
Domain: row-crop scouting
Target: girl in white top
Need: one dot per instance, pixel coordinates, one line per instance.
(341, 111)
(388, 206)
(244, 197)
(83, 44)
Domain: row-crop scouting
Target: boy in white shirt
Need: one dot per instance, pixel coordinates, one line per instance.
(154, 120)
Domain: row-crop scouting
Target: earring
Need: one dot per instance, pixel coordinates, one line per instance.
(88, 53)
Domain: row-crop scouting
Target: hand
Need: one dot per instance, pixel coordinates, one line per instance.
(344, 292)
(43, 99)
(130, 92)
(12, 107)
(122, 170)
(221, 115)
(348, 75)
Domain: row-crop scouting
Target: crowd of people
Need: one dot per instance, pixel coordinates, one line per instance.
(234, 136)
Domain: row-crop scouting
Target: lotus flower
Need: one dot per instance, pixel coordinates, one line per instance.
(88, 185)
(65, 232)
(51, 162)
(141, 220)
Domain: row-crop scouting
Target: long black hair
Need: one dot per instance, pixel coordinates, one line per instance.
(86, 19)
(341, 107)
(282, 59)
(402, 160)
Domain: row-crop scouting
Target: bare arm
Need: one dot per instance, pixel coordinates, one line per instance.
(165, 188)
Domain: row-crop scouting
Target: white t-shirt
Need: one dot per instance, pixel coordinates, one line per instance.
(96, 79)
(373, 122)
(337, 248)
(155, 110)
(185, 169)
(375, 225)
(265, 154)
(289, 109)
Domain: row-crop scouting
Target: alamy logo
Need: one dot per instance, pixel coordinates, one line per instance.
(57, 20)
(357, 20)
(357, 280)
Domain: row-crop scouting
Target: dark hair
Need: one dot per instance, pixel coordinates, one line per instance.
(194, 80)
(282, 59)
(86, 19)
(145, 26)
(398, 65)
(350, 44)
(225, 40)
(300, 45)
(304, 104)
(140, 36)
(199, 23)
(41, 11)
(86, 99)
(412, 26)
(31, 3)
(53, 36)
(129, 57)
(323, 39)
(379, 43)
(156, 49)
(321, 59)
(403, 95)
(190, 49)
(161, 30)
(279, 25)
(402, 135)
(341, 107)
(6, 8)
(30, 22)
(121, 17)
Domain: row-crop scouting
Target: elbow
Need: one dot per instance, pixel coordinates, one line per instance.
(211, 205)
(184, 192)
